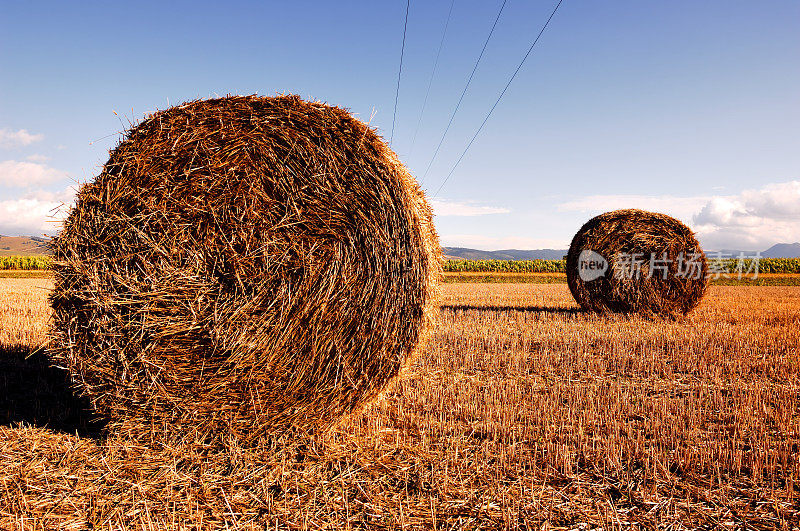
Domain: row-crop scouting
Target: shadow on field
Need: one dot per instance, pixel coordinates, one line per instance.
(540, 309)
(35, 393)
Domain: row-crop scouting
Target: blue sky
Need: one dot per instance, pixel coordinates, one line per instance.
(688, 108)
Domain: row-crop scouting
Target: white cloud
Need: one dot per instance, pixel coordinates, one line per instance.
(776, 201)
(12, 139)
(28, 174)
(31, 216)
(37, 158)
(469, 208)
(489, 243)
(65, 196)
(683, 208)
(752, 220)
(721, 211)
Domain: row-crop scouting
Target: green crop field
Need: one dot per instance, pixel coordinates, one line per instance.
(25, 263)
(729, 265)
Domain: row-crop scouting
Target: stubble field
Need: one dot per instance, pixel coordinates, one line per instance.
(522, 412)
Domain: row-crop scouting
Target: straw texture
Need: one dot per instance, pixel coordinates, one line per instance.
(669, 286)
(243, 265)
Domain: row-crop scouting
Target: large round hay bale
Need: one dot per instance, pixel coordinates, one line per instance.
(634, 261)
(243, 265)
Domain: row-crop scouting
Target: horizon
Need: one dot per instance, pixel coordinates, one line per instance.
(684, 109)
(453, 247)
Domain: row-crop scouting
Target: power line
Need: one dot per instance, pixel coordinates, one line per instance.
(399, 71)
(499, 98)
(465, 90)
(430, 81)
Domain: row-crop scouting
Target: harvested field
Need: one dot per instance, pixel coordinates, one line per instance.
(522, 412)
(763, 279)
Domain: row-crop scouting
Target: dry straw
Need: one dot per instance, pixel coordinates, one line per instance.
(655, 265)
(241, 266)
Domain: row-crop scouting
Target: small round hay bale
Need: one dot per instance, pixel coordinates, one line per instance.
(634, 261)
(243, 265)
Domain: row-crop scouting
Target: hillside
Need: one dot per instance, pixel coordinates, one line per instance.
(780, 250)
(35, 246)
(23, 246)
(783, 250)
(464, 253)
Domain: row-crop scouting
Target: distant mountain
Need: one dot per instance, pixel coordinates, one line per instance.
(730, 253)
(779, 250)
(463, 253)
(35, 245)
(23, 246)
(783, 250)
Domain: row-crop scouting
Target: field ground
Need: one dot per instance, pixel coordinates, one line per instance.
(763, 279)
(33, 273)
(522, 412)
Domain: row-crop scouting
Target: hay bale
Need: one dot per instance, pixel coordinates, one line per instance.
(243, 265)
(634, 261)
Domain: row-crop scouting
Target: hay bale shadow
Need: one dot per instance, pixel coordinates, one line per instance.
(34, 392)
(534, 309)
